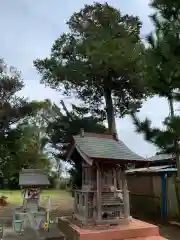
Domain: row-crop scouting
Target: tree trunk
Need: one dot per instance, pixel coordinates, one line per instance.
(58, 177)
(110, 112)
(171, 107)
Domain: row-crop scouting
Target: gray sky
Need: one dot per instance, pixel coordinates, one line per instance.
(28, 30)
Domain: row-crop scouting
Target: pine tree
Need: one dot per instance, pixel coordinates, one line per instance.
(163, 74)
(100, 60)
(163, 78)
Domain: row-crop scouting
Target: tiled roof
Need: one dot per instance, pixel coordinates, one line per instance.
(104, 146)
(33, 177)
(165, 168)
(161, 157)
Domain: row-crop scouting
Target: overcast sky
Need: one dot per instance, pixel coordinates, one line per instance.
(28, 30)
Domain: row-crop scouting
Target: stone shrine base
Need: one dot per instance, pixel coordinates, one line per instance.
(134, 230)
(29, 234)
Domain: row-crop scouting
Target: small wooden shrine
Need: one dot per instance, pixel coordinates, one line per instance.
(104, 196)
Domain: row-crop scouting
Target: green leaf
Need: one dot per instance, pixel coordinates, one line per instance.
(102, 52)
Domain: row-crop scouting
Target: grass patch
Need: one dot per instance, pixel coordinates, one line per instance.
(14, 197)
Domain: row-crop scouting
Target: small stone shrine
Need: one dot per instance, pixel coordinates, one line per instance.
(31, 214)
(102, 204)
(31, 221)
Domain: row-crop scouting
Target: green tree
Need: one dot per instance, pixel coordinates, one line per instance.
(23, 147)
(163, 74)
(13, 110)
(33, 146)
(99, 61)
(12, 107)
(168, 11)
(63, 126)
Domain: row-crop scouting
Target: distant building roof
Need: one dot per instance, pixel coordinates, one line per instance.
(166, 168)
(161, 157)
(103, 146)
(33, 177)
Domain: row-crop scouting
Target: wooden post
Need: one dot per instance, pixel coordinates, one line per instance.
(86, 208)
(119, 179)
(114, 179)
(83, 176)
(75, 201)
(80, 199)
(99, 193)
(88, 177)
(125, 196)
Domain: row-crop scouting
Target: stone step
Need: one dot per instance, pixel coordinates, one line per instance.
(144, 232)
(135, 230)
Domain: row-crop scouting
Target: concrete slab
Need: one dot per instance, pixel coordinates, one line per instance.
(10, 234)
